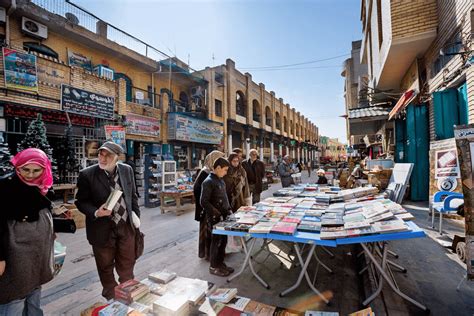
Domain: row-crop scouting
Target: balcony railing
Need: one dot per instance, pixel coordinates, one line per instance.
(179, 106)
(144, 97)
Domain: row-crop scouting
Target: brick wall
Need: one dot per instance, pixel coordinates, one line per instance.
(413, 17)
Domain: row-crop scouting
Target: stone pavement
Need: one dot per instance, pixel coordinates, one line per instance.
(171, 243)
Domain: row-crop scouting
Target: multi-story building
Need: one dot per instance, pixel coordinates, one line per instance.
(67, 64)
(255, 118)
(419, 56)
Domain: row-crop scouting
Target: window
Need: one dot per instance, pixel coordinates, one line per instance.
(219, 78)
(268, 116)
(256, 110)
(40, 48)
(277, 120)
(240, 104)
(218, 107)
(453, 46)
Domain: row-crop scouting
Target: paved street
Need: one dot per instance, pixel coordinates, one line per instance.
(171, 243)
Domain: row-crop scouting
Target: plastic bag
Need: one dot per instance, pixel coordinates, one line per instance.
(233, 245)
(59, 257)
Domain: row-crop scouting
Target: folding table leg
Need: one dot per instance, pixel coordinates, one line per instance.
(321, 263)
(304, 268)
(440, 223)
(381, 269)
(248, 252)
(329, 252)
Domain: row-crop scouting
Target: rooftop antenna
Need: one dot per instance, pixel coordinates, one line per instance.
(189, 57)
(213, 60)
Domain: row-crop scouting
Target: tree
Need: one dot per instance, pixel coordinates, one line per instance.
(36, 138)
(67, 161)
(5, 166)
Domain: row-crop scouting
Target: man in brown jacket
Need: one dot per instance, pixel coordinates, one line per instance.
(255, 170)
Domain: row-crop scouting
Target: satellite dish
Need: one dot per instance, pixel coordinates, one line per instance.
(72, 18)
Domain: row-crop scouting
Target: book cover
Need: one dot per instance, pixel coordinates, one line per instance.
(112, 200)
(114, 309)
(262, 227)
(223, 295)
(381, 217)
(405, 216)
(309, 218)
(292, 219)
(310, 227)
(359, 224)
(390, 226)
(360, 231)
(284, 228)
(332, 222)
(239, 303)
(162, 276)
(373, 210)
(333, 232)
(364, 312)
(257, 308)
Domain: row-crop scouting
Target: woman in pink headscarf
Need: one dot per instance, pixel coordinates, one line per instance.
(26, 233)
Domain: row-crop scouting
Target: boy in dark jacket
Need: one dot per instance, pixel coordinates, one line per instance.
(216, 206)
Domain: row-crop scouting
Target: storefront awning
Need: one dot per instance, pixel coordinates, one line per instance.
(404, 100)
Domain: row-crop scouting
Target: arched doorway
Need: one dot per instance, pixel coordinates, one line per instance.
(268, 116)
(240, 106)
(256, 110)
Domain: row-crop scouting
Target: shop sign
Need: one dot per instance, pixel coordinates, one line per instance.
(464, 136)
(191, 129)
(143, 125)
(447, 164)
(78, 60)
(20, 70)
(74, 100)
(47, 115)
(51, 73)
(115, 134)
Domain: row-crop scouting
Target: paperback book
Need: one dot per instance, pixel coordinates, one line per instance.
(284, 228)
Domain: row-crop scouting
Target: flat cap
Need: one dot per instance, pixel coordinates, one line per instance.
(112, 147)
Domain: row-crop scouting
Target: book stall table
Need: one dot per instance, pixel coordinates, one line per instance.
(311, 239)
(68, 188)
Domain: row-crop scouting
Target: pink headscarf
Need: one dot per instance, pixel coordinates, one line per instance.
(37, 157)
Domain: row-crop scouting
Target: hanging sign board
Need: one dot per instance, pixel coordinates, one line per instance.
(464, 136)
(115, 134)
(20, 70)
(75, 100)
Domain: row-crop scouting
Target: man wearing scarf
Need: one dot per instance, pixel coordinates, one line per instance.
(110, 232)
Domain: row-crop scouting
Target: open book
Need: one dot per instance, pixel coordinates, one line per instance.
(112, 200)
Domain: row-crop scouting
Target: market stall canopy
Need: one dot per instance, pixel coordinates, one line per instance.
(368, 113)
(404, 100)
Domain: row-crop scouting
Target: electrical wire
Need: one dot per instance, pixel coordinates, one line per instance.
(298, 68)
(297, 64)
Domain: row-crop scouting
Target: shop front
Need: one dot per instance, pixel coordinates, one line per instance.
(191, 139)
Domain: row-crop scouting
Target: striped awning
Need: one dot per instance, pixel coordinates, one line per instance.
(368, 112)
(404, 100)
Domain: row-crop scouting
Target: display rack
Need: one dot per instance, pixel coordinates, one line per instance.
(159, 176)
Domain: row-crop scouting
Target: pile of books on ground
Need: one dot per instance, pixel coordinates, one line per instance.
(352, 217)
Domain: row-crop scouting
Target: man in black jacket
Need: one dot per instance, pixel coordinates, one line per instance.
(255, 172)
(110, 232)
(216, 206)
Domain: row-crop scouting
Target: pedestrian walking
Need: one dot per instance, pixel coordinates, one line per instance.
(204, 243)
(26, 233)
(217, 208)
(255, 170)
(308, 165)
(110, 232)
(236, 184)
(285, 172)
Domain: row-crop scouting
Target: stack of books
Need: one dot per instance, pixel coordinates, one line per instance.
(162, 276)
(223, 295)
(396, 225)
(130, 291)
(171, 304)
(114, 309)
(262, 227)
(284, 228)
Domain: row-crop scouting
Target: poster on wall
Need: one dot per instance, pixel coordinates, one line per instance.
(20, 70)
(444, 167)
(75, 100)
(447, 164)
(91, 148)
(191, 129)
(78, 60)
(143, 125)
(116, 134)
(464, 136)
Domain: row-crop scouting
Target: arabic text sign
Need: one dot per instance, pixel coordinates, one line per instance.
(143, 125)
(74, 100)
(192, 129)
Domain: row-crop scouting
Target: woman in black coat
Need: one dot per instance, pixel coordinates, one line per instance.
(204, 239)
(26, 234)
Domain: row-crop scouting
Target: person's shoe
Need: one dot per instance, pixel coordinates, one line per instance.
(230, 269)
(219, 271)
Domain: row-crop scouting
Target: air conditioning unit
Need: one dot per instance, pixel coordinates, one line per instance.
(197, 92)
(33, 28)
(3, 16)
(104, 72)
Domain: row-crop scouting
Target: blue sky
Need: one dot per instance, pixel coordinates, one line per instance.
(254, 34)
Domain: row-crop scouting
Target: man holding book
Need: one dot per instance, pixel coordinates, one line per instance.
(107, 196)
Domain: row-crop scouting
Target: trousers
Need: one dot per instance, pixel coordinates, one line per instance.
(118, 254)
(28, 306)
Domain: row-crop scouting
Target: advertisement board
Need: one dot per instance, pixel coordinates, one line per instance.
(75, 100)
(20, 70)
(190, 129)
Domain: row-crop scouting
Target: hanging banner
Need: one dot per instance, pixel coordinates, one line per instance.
(191, 129)
(20, 70)
(142, 125)
(115, 134)
(464, 136)
(74, 100)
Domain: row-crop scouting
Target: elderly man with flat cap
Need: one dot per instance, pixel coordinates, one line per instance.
(110, 232)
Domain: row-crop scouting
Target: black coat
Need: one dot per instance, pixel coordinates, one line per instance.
(214, 199)
(255, 173)
(20, 202)
(93, 189)
(197, 187)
